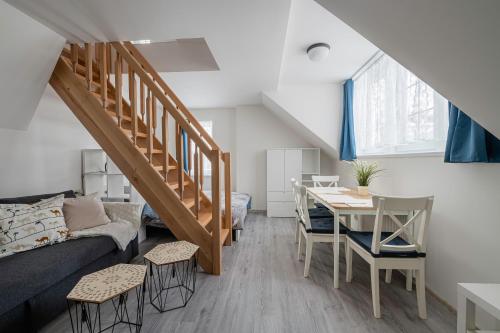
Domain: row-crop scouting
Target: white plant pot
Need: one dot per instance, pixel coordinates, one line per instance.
(363, 190)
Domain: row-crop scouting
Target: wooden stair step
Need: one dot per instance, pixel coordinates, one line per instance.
(224, 234)
(144, 150)
(175, 186)
(81, 73)
(110, 99)
(112, 113)
(160, 167)
(188, 202)
(128, 132)
(205, 217)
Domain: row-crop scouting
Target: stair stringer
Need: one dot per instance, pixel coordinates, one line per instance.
(131, 162)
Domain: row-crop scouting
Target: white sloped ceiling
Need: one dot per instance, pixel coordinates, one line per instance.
(29, 54)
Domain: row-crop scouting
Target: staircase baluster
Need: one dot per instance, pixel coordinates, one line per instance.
(103, 74)
(196, 182)
(133, 103)
(164, 131)
(155, 113)
(149, 111)
(74, 56)
(201, 171)
(110, 59)
(143, 106)
(88, 65)
(118, 88)
(216, 213)
(228, 220)
(180, 160)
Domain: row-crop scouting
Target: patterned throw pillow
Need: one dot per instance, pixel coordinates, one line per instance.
(24, 227)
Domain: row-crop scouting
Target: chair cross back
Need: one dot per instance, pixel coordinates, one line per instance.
(325, 181)
(421, 207)
(300, 195)
(302, 207)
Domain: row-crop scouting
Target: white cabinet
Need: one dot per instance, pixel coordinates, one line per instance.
(275, 168)
(283, 165)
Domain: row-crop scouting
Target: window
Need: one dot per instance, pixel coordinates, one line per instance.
(207, 166)
(396, 112)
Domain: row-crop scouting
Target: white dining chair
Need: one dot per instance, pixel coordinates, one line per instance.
(313, 212)
(387, 250)
(312, 230)
(325, 181)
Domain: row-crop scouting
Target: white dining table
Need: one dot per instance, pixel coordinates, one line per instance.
(342, 201)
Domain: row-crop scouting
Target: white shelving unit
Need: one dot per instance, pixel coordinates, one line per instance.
(282, 165)
(101, 175)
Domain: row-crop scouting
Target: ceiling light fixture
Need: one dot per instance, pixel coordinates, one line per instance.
(318, 51)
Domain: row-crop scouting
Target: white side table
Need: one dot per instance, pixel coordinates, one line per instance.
(470, 295)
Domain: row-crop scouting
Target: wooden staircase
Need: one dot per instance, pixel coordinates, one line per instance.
(133, 128)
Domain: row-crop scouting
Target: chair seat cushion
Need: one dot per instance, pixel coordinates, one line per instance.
(364, 239)
(324, 226)
(319, 212)
(320, 205)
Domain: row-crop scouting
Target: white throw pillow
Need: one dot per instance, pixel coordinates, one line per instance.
(27, 226)
(127, 211)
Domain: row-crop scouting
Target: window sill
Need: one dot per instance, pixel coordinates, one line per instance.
(406, 154)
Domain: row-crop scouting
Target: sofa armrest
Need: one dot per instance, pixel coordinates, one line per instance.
(128, 211)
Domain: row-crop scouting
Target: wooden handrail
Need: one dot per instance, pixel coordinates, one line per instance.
(178, 103)
(150, 84)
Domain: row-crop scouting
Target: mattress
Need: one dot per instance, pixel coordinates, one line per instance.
(240, 204)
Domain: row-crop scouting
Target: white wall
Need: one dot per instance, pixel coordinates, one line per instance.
(223, 131)
(247, 132)
(463, 234)
(47, 156)
(29, 53)
(316, 107)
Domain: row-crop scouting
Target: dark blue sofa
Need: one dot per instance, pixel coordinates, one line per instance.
(34, 284)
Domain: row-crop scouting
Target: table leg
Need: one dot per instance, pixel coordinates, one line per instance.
(466, 316)
(336, 249)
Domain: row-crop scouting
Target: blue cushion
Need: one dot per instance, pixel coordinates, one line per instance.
(324, 226)
(320, 205)
(364, 239)
(319, 212)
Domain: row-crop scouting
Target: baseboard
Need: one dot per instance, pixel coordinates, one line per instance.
(432, 292)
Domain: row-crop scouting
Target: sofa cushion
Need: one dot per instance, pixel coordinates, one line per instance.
(27, 274)
(28, 226)
(364, 239)
(84, 212)
(34, 198)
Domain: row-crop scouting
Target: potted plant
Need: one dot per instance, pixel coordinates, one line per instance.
(365, 172)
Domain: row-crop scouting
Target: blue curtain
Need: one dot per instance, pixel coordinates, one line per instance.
(185, 150)
(347, 140)
(468, 142)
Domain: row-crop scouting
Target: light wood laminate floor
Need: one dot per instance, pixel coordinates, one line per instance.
(263, 290)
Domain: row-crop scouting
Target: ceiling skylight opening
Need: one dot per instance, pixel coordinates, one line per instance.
(141, 41)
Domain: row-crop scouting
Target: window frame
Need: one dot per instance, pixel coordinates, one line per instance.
(434, 147)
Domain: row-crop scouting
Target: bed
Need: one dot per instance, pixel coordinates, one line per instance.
(240, 204)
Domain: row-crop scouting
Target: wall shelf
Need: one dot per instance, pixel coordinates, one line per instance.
(100, 175)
